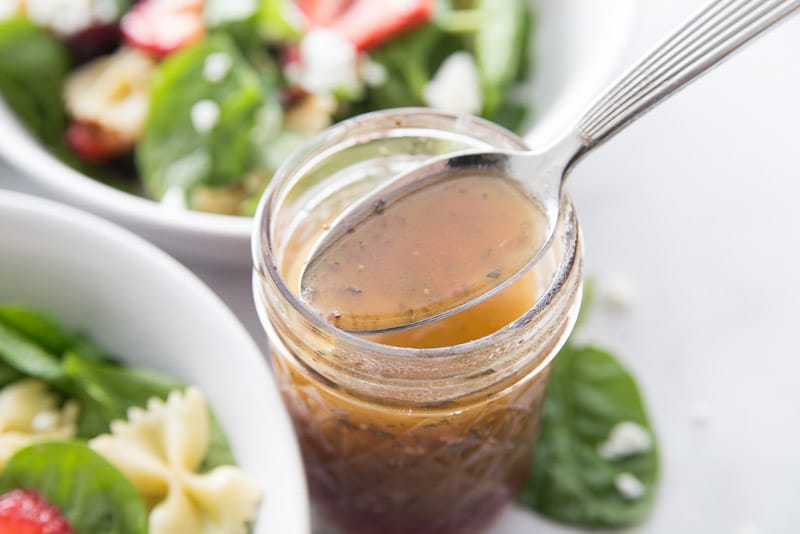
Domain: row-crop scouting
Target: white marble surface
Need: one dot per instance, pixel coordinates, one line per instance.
(695, 207)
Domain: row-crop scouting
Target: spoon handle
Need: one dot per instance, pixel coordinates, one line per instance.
(710, 36)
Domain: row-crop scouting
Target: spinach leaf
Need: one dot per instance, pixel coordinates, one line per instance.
(243, 30)
(588, 394)
(91, 493)
(219, 449)
(107, 391)
(37, 327)
(279, 20)
(42, 330)
(33, 65)
(500, 48)
(172, 152)
(32, 344)
(27, 357)
(410, 60)
(8, 374)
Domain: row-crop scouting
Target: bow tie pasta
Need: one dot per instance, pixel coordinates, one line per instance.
(160, 449)
(30, 412)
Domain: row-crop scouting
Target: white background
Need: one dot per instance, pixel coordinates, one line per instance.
(695, 207)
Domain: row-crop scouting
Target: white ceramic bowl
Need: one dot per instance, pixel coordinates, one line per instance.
(577, 43)
(141, 305)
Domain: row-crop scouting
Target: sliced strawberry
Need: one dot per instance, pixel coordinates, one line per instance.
(93, 144)
(27, 512)
(370, 22)
(94, 41)
(161, 27)
(319, 13)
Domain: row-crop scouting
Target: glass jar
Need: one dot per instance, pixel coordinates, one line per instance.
(396, 439)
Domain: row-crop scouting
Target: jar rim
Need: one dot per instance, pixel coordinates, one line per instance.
(336, 136)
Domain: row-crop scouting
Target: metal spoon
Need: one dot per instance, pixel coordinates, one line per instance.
(701, 43)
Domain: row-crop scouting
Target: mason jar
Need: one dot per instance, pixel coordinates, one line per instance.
(418, 432)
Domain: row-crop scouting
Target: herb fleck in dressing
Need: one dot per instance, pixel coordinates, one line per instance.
(425, 253)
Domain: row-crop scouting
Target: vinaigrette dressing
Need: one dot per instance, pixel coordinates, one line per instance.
(427, 251)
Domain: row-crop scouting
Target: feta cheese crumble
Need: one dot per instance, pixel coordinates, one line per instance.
(700, 414)
(204, 114)
(329, 62)
(456, 86)
(44, 421)
(618, 292)
(625, 439)
(221, 11)
(629, 486)
(217, 66)
(105, 11)
(373, 73)
(174, 198)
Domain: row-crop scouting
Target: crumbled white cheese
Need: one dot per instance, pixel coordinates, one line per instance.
(625, 439)
(174, 198)
(616, 291)
(456, 86)
(105, 11)
(373, 73)
(217, 66)
(9, 8)
(329, 62)
(700, 414)
(221, 11)
(629, 486)
(205, 114)
(44, 421)
(64, 17)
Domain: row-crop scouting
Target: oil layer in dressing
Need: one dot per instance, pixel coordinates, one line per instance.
(426, 252)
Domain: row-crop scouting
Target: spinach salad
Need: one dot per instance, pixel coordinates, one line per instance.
(93, 446)
(195, 103)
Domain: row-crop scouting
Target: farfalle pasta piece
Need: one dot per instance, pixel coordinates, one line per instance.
(160, 449)
(30, 412)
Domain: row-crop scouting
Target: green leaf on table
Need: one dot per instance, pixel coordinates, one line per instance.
(172, 151)
(501, 45)
(33, 65)
(91, 493)
(588, 394)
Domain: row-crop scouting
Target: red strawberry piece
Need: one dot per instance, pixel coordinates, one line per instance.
(94, 41)
(370, 22)
(320, 13)
(161, 27)
(93, 144)
(26, 512)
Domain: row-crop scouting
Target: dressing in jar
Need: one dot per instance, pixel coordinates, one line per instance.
(429, 429)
